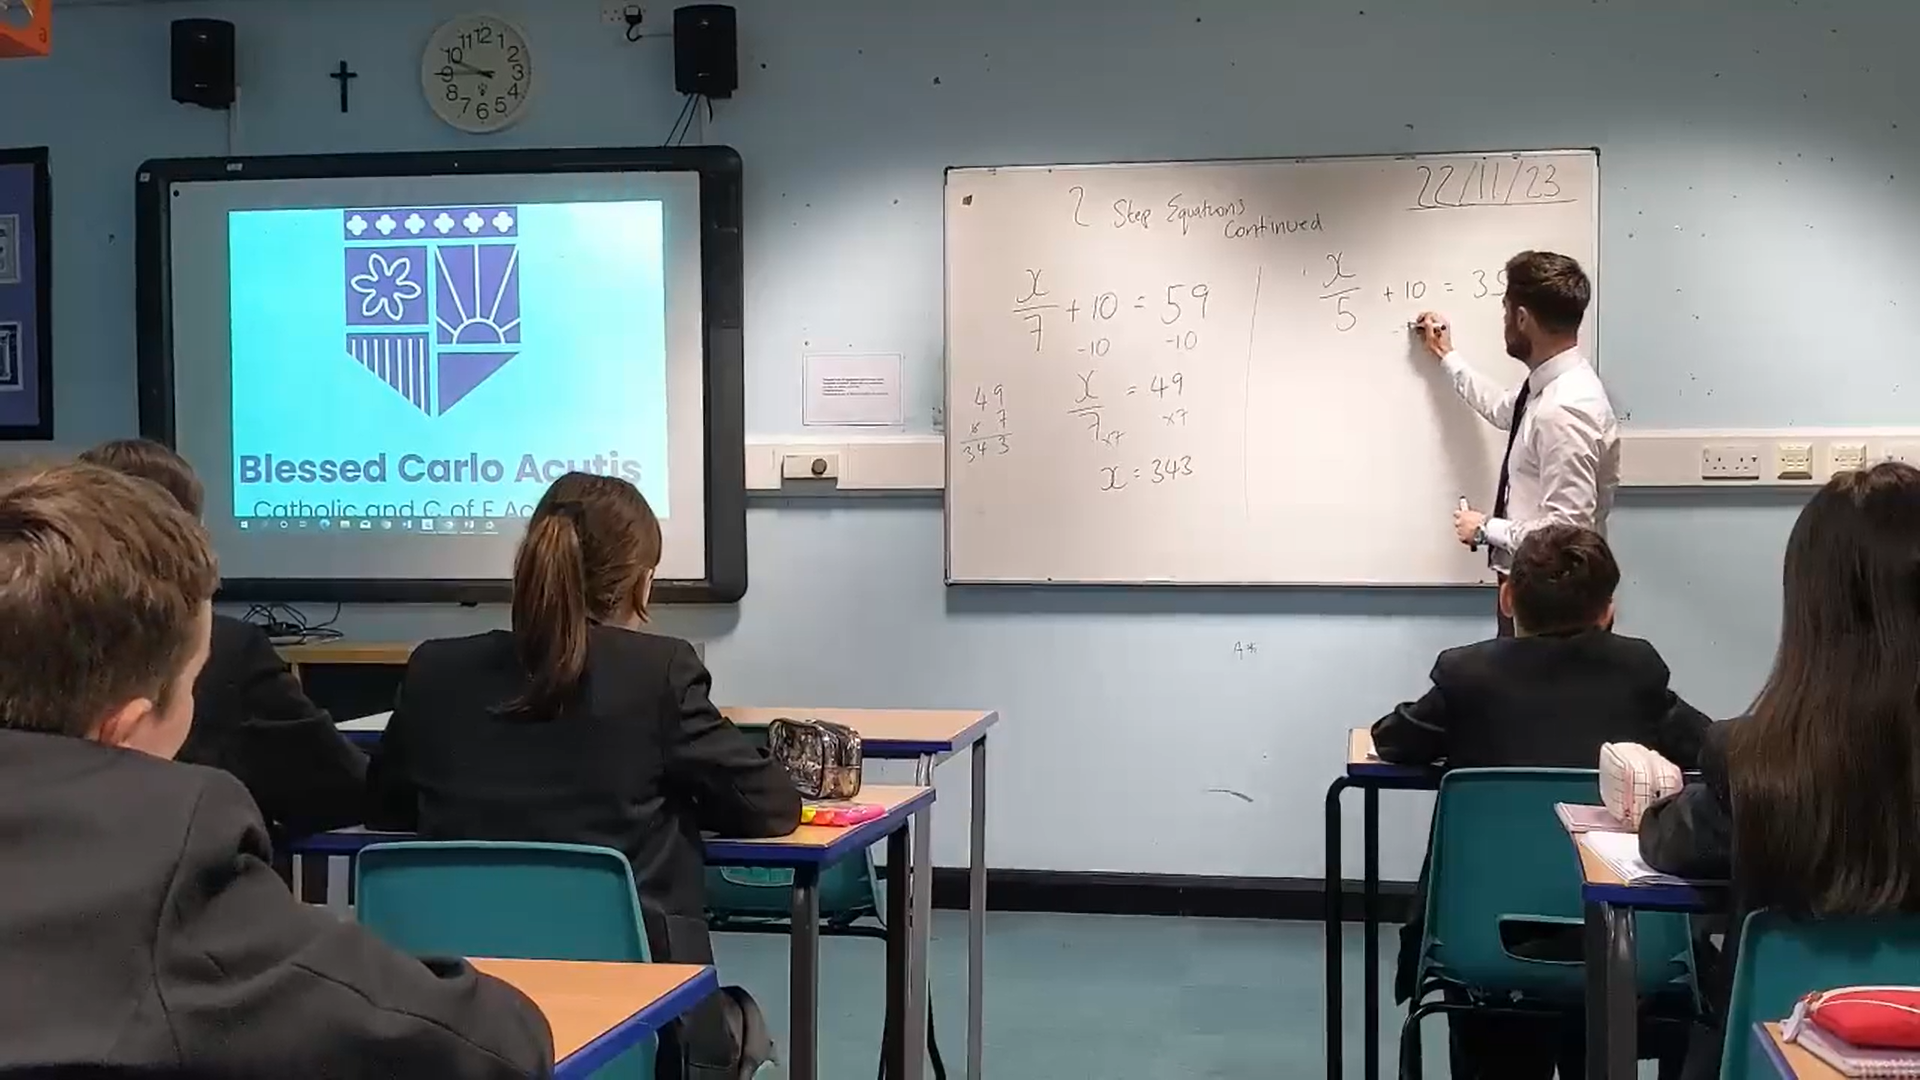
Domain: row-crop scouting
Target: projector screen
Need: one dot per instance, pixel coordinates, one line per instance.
(378, 363)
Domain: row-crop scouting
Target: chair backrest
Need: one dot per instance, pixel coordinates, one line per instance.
(1500, 855)
(1782, 960)
(504, 900)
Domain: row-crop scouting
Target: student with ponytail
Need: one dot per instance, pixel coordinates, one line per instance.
(576, 726)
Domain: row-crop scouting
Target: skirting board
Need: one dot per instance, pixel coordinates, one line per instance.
(1672, 459)
(1083, 893)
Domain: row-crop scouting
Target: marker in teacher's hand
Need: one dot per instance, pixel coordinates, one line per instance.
(1464, 507)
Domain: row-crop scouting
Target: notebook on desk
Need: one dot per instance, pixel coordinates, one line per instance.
(1621, 852)
(1851, 1060)
(1580, 819)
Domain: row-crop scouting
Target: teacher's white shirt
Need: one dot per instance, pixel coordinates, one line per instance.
(1565, 462)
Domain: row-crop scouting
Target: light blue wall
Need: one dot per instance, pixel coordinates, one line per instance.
(1758, 224)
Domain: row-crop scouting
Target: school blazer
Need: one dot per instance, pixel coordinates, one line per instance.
(1548, 702)
(142, 932)
(251, 718)
(640, 761)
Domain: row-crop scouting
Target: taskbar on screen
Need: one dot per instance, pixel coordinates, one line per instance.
(388, 525)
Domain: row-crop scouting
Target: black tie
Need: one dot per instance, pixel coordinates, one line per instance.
(1506, 463)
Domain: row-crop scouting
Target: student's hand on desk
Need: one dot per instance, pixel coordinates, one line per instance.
(1467, 523)
(1434, 333)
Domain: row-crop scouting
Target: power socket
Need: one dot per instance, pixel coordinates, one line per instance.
(1846, 457)
(1795, 461)
(1730, 461)
(1907, 453)
(616, 13)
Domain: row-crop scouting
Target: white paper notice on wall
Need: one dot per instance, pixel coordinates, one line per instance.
(853, 390)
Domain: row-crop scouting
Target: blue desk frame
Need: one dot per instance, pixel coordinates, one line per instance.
(1613, 1007)
(909, 885)
(1371, 777)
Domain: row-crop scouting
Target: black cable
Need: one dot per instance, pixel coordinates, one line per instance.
(286, 621)
(686, 114)
(633, 30)
(695, 100)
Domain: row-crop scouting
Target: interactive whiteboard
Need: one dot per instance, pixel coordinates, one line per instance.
(1201, 373)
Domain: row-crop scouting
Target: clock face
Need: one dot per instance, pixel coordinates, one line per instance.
(477, 73)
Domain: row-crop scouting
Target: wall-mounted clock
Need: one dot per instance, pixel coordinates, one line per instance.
(477, 73)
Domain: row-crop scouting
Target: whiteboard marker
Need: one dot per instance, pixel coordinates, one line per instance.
(1464, 507)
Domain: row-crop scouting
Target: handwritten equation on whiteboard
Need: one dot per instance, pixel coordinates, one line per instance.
(1226, 345)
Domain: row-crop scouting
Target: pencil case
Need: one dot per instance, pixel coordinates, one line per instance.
(1877, 1017)
(1633, 778)
(823, 757)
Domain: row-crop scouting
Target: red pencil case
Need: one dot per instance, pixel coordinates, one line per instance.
(839, 815)
(1873, 1017)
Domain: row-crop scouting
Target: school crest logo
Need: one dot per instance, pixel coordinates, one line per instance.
(433, 297)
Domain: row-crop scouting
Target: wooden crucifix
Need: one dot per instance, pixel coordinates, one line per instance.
(342, 75)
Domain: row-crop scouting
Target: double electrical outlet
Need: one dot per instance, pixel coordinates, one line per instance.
(618, 14)
(1795, 460)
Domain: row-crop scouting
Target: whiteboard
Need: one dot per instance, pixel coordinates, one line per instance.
(1200, 373)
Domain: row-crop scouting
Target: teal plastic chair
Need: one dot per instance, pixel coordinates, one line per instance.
(1499, 855)
(1782, 961)
(507, 901)
(745, 897)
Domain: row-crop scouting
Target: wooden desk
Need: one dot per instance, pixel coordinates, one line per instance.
(907, 829)
(599, 1011)
(388, 654)
(1372, 776)
(887, 733)
(926, 736)
(1790, 1062)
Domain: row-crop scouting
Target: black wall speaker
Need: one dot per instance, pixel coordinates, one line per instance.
(203, 67)
(706, 56)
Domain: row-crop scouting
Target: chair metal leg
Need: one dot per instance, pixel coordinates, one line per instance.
(1370, 923)
(1331, 915)
(1412, 1054)
(1411, 1065)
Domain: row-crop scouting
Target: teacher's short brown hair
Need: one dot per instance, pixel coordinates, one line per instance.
(1551, 286)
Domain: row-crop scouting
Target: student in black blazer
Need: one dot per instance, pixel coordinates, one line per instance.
(142, 931)
(250, 715)
(1811, 804)
(577, 727)
(1548, 698)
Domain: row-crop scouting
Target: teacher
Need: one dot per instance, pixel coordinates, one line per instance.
(1563, 443)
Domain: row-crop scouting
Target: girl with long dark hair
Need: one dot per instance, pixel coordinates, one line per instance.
(1810, 804)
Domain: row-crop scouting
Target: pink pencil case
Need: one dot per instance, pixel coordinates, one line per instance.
(839, 815)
